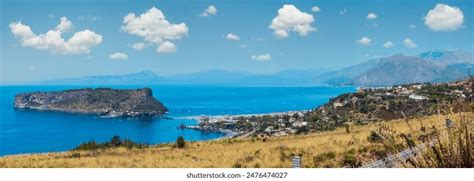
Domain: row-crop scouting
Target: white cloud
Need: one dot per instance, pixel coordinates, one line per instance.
(166, 47)
(343, 12)
(31, 68)
(388, 44)
(262, 57)
(412, 26)
(409, 43)
(315, 9)
(118, 56)
(371, 16)
(364, 41)
(243, 46)
(231, 36)
(139, 46)
(88, 17)
(444, 18)
(80, 42)
(211, 10)
(153, 26)
(64, 25)
(290, 18)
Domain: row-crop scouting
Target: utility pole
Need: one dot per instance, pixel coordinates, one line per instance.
(469, 72)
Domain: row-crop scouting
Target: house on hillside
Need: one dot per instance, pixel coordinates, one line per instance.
(417, 97)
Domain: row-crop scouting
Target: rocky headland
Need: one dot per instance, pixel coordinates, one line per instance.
(99, 101)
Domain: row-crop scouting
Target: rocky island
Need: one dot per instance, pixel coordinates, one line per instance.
(99, 101)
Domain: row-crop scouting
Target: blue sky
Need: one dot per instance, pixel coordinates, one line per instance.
(332, 37)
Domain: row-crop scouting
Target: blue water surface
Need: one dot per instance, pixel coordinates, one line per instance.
(29, 131)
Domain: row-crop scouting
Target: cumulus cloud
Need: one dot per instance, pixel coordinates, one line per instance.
(118, 56)
(154, 28)
(388, 44)
(166, 47)
(409, 43)
(444, 18)
(364, 41)
(139, 46)
(290, 18)
(231, 36)
(211, 10)
(64, 25)
(412, 26)
(80, 42)
(315, 9)
(262, 57)
(371, 16)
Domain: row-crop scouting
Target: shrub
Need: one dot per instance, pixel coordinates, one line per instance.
(350, 160)
(323, 157)
(116, 141)
(348, 128)
(180, 143)
(113, 143)
(91, 145)
(374, 137)
(237, 164)
(75, 155)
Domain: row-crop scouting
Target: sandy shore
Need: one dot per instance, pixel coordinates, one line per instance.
(234, 116)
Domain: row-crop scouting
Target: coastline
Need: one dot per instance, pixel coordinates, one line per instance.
(206, 123)
(231, 116)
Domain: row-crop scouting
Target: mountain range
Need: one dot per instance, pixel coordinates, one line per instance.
(287, 77)
(429, 66)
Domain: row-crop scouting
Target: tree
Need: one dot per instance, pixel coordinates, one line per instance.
(180, 143)
(116, 141)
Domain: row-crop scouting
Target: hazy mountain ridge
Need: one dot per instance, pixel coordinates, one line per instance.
(287, 77)
(430, 66)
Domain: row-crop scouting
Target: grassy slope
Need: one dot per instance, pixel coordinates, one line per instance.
(255, 152)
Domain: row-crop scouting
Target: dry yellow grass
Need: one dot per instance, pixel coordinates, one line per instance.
(252, 152)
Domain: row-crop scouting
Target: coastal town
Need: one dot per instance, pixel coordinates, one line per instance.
(364, 106)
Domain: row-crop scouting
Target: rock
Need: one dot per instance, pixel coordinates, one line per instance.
(99, 101)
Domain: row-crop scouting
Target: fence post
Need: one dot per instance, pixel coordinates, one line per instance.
(448, 123)
(296, 161)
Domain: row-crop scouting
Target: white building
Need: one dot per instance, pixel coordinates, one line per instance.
(417, 97)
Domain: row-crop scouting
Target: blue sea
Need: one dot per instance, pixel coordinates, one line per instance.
(30, 131)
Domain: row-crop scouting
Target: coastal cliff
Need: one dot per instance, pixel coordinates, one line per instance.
(99, 101)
